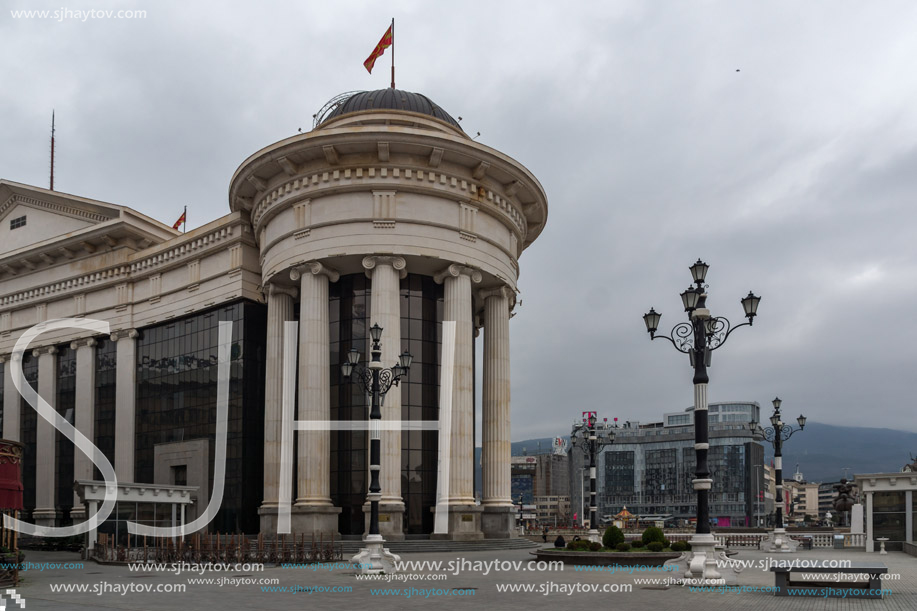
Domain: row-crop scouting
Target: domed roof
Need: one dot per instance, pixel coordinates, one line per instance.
(382, 99)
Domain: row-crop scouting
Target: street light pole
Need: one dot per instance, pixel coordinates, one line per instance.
(776, 435)
(376, 381)
(590, 438)
(698, 338)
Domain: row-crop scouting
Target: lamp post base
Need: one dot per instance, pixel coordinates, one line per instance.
(704, 564)
(374, 558)
(778, 541)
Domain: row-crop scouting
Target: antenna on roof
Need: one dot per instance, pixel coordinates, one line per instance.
(52, 149)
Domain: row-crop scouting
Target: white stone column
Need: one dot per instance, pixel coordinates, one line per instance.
(84, 419)
(279, 311)
(870, 544)
(45, 513)
(313, 511)
(499, 520)
(385, 273)
(464, 519)
(11, 402)
(125, 402)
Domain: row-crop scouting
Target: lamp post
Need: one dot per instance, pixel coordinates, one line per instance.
(589, 437)
(776, 434)
(698, 338)
(376, 382)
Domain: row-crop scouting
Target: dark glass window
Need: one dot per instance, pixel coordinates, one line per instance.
(2, 388)
(619, 477)
(104, 415)
(176, 401)
(65, 406)
(349, 301)
(17, 222)
(421, 333)
(28, 423)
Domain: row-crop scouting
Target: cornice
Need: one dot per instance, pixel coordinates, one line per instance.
(404, 177)
(145, 265)
(71, 211)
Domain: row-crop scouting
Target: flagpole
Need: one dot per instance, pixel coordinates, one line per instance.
(185, 224)
(393, 52)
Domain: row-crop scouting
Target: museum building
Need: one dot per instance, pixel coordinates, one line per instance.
(385, 213)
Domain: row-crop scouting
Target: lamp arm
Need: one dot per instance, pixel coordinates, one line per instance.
(721, 332)
(684, 332)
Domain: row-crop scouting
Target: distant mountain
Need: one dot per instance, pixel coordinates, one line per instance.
(822, 451)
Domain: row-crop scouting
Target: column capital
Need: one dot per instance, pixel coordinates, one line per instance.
(90, 342)
(124, 333)
(273, 288)
(455, 270)
(499, 291)
(316, 268)
(398, 263)
(44, 350)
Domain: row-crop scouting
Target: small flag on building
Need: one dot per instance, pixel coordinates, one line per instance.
(387, 39)
(181, 220)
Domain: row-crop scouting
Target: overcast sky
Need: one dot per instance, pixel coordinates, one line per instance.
(775, 140)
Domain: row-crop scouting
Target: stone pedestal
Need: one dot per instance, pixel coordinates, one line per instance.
(321, 521)
(464, 524)
(374, 558)
(46, 517)
(699, 566)
(498, 522)
(856, 520)
(391, 520)
(778, 541)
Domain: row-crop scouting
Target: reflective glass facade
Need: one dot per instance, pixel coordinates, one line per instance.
(28, 421)
(889, 516)
(65, 404)
(421, 331)
(176, 401)
(104, 415)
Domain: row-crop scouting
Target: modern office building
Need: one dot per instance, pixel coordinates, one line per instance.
(385, 213)
(523, 479)
(552, 475)
(649, 467)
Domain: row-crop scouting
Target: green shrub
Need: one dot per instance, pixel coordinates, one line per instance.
(594, 546)
(636, 543)
(612, 537)
(623, 547)
(666, 543)
(687, 546)
(653, 533)
(578, 546)
(655, 546)
(679, 546)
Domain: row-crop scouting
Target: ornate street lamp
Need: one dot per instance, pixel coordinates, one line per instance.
(590, 437)
(376, 382)
(776, 434)
(698, 338)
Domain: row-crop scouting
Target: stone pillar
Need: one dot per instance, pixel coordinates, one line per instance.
(385, 310)
(125, 402)
(498, 520)
(870, 544)
(279, 311)
(84, 419)
(45, 513)
(11, 402)
(464, 516)
(313, 512)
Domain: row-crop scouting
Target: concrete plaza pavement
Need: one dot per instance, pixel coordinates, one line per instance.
(479, 589)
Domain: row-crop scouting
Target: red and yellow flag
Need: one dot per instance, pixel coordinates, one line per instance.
(387, 39)
(180, 220)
